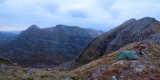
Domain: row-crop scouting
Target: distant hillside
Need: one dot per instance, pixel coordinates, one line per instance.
(54, 45)
(130, 31)
(6, 37)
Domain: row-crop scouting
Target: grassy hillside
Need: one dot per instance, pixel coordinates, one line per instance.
(4, 61)
(105, 68)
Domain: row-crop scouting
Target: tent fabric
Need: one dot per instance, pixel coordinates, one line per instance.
(127, 55)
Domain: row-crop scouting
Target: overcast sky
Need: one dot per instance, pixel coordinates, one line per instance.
(96, 14)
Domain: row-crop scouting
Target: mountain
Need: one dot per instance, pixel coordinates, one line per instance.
(106, 67)
(130, 31)
(6, 37)
(36, 47)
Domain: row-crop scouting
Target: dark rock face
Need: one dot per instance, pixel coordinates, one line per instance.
(130, 31)
(49, 46)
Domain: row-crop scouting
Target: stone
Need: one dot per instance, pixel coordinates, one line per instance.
(146, 62)
(15, 63)
(3, 65)
(132, 65)
(138, 70)
(68, 79)
(2, 70)
(30, 71)
(114, 78)
(24, 78)
(142, 66)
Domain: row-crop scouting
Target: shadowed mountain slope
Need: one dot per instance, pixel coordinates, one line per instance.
(130, 31)
(50, 46)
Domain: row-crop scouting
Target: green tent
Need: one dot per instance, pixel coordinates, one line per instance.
(127, 55)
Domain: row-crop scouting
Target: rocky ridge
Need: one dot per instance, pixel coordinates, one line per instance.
(130, 31)
(50, 46)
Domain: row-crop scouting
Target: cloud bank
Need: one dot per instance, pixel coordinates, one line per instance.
(97, 14)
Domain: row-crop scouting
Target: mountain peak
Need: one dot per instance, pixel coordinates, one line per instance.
(60, 25)
(147, 18)
(33, 27)
(31, 30)
(66, 26)
(132, 19)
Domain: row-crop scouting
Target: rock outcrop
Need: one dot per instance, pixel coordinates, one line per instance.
(130, 31)
(49, 46)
